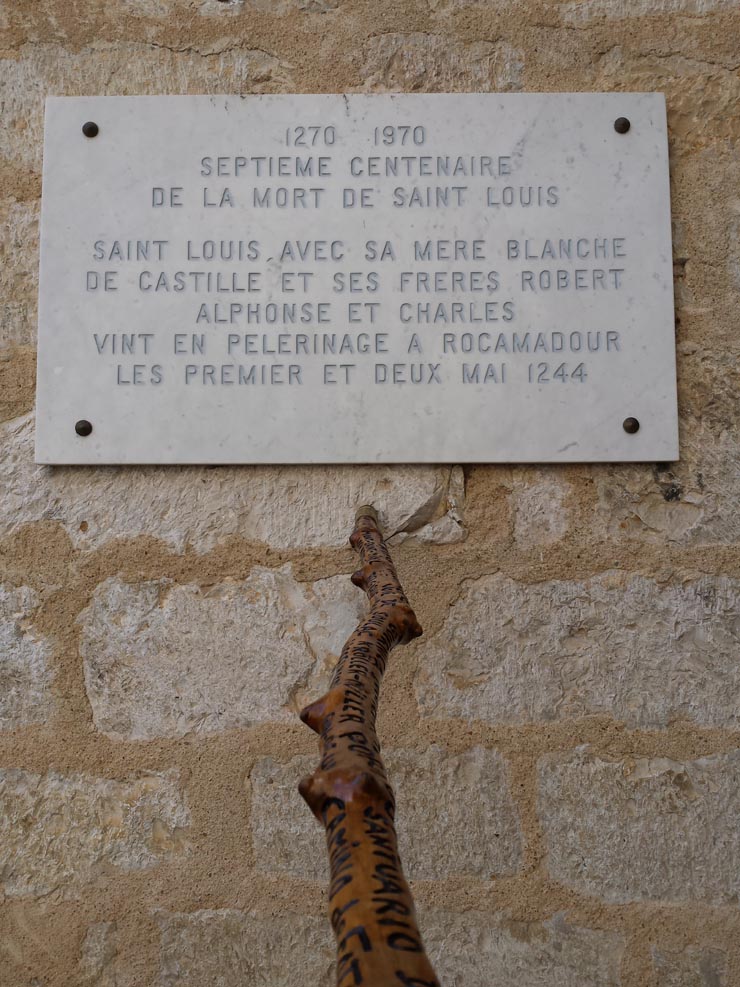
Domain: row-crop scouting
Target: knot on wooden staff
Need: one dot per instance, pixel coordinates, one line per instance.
(370, 904)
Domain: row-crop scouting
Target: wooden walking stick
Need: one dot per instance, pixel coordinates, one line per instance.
(370, 904)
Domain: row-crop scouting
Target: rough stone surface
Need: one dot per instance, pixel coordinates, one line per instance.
(17, 380)
(287, 507)
(18, 271)
(283, 7)
(164, 660)
(477, 950)
(455, 816)
(539, 504)
(617, 644)
(239, 949)
(639, 830)
(700, 92)
(446, 6)
(584, 11)
(25, 673)
(60, 833)
(98, 956)
(432, 63)
(445, 530)
(230, 948)
(695, 501)
(691, 967)
(37, 71)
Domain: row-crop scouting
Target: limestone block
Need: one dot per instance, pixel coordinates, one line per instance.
(617, 644)
(585, 11)
(231, 948)
(58, 833)
(244, 949)
(17, 380)
(313, 6)
(17, 321)
(701, 93)
(455, 816)
(445, 530)
(457, 813)
(286, 507)
(433, 63)
(477, 950)
(691, 967)
(25, 675)
(123, 69)
(694, 502)
(162, 660)
(448, 6)
(643, 829)
(280, 7)
(98, 956)
(18, 271)
(706, 212)
(161, 10)
(539, 505)
(157, 8)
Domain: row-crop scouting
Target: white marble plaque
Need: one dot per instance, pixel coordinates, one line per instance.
(356, 279)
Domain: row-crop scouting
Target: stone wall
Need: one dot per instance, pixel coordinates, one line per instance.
(565, 738)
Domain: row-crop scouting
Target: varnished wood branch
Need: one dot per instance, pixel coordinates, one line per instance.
(370, 904)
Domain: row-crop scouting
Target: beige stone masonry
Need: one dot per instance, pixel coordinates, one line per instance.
(163, 660)
(456, 816)
(25, 673)
(691, 967)
(619, 644)
(238, 949)
(637, 830)
(285, 507)
(59, 833)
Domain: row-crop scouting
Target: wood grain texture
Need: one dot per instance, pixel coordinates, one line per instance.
(370, 904)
